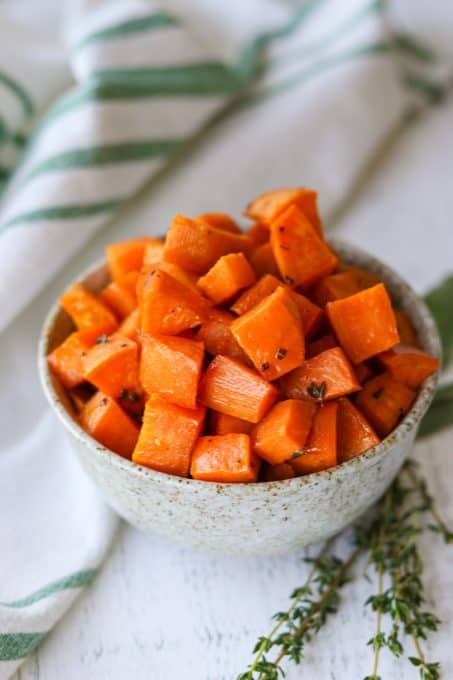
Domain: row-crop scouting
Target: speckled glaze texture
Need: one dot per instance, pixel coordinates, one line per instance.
(246, 519)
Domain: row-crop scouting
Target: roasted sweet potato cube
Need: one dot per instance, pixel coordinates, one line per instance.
(120, 295)
(310, 314)
(221, 423)
(224, 458)
(335, 287)
(301, 255)
(106, 422)
(326, 376)
(259, 234)
(167, 436)
(277, 351)
(263, 261)
(267, 207)
(219, 221)
(406, 331)
(216, 334)
(126, 256)
(279, 472)
(196, 246)
(154, 252)
(130, 327)
(229, 275)
(187, 278)
(66, 361)
(408, 365)
(86, 310)
(112, 367)
(320, 451)
(364, 323)
(355, 434)
(171, 367)
(168, 306)
(230, 387)
(283, 431)
(323, 343)
(384, 402)
(253, 295)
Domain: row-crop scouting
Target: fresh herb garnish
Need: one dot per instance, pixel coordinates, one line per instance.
(298, 454)
(389, 543)
(317, 391)
(128, 395)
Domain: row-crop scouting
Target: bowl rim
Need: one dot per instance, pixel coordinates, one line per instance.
(368, 458)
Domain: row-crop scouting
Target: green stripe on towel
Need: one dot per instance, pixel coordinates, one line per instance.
(15, 646)
(140, 24)
(78, 579)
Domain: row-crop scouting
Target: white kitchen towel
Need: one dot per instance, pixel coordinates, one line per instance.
(314, 85)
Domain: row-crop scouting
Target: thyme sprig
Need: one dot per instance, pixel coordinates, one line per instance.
(393, 551)
(389, 544)
(310, 608)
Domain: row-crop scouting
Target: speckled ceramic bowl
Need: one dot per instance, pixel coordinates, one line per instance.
(246, 519)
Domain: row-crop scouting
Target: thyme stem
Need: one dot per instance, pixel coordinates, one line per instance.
(264, 643)
(317, 606)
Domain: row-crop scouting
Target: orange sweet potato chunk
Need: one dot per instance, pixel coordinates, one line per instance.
(66, 361)
(335, 287)
(106, 422)
(154, 252)
(320, 452)
(301, 255)
(267, 207)
(230, 387)
(120, 295)
(259, 234)
(221, 423)
(219, 221)
(167, 436)
(279, 472)
(224, 458)
(326, 376)
(126, 256)
(355, 434)
(216, 334)
(384, 402)
(323, 343)
(196, 246)
(406, 331)
(171, 367)
(130, 327)
(283, 431)
(408, 365)
(263, 261)
(364, 323)
(310, 314)
(86, 310)
(168, 306)
(112, 366)
(187, 278)
(229, 275)
(251, 297)
(271, 334)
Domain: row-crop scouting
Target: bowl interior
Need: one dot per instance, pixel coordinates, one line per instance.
(58, 326)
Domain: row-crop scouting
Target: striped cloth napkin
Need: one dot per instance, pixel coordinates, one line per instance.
(93, 103)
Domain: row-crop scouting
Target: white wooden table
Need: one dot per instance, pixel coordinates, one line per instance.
(160, 612)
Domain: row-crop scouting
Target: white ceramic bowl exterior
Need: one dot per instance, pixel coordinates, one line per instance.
(246, 519)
